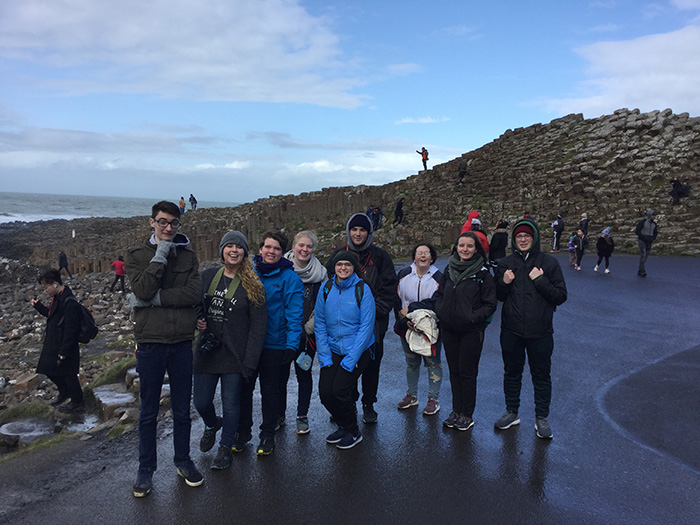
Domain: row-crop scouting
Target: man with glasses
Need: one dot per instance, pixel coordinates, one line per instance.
(164, 277)
(531, 286)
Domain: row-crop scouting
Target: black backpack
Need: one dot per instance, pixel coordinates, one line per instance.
(88, 328)
(359, 290)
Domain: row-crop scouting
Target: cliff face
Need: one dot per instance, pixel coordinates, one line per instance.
(613, 168)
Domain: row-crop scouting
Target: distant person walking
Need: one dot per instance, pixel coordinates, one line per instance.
(580, 244)
(605, 246)
(118, 266)
(398, 211)
(193, 202)
(182, 205)
(60, 355)
(558, 229)
(63, 263)
(424, 157)
(646, 231)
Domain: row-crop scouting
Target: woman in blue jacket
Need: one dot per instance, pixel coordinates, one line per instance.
(344, 328)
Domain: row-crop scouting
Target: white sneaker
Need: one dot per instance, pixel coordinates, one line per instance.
(596, 268)
(607, 270)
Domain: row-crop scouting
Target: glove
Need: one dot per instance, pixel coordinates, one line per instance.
(163, 251)
(135, 302)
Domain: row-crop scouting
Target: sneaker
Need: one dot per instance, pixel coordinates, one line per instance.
(433, 407)
(266, 446)
(240, 440)
(507, 420)
(596, 268)
(464, 423)
(578, 268)
(607, 270)
(543, 429)
(349, 440)
(408, 402)
(58, 400)
(280, 423)
(369, 414)
(71, 407)
(143, 485)
(336, 436)
(209, 436)
(223, 459)
(303, 425)
(451, 419)
(190, 474)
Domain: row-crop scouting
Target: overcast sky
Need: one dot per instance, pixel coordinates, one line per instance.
(234, 100)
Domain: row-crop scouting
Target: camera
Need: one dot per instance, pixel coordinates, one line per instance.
(210, 344)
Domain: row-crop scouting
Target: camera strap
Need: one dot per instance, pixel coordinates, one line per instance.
(231, 288)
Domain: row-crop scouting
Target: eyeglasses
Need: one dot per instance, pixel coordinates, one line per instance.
(423, 253)
(523, 236)
(174, 224)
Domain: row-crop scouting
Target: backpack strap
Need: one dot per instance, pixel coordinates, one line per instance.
(359, 290)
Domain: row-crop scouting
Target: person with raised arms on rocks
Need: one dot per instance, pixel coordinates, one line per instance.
(378, 268)
(531, 285)
(232, 321)
(284, 299)
(166, 286)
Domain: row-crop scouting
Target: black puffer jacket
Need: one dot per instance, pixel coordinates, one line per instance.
(528, 306)
(466, 306)
(61, 336)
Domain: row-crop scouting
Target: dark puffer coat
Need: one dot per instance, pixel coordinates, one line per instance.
(466, 306)
(61, 336)
(528, 306)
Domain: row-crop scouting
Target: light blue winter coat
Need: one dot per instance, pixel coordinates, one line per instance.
(340, 326)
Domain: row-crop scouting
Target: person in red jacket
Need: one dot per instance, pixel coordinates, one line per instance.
(473, 224)
(118, 266)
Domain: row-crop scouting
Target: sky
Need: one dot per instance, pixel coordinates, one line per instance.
(235, 100)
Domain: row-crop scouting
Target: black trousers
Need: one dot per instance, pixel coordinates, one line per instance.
(269, 371)
(336, 387)
(463, 352)
(539, 356)
(370, 377)
(70, 386)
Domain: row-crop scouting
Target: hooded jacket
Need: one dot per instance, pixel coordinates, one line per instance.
(180, 288)
(61, 336)
(646, 229)
(341, 327)
(528, 306)
(377, 265)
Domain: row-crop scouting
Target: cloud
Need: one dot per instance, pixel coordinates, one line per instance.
(403, 69)
(686, 4)
(652, 72)
(422, 120)
(222, 50)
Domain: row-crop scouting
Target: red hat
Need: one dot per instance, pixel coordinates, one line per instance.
(524, 228)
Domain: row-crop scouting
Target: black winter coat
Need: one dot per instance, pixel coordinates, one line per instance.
(604, 247)
(61, 335)
(466, 306)
(528, 306)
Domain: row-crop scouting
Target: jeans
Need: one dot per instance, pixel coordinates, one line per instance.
(463, 353)
(433, 365)
(117, 278)
(644, 249)
(153, 360)
(204, 391)
(539, 357)
(269, 371)
(336, 387)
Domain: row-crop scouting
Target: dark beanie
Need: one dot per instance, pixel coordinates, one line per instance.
(345, 255)
(361, 220)
(234, 237)
(524, 228)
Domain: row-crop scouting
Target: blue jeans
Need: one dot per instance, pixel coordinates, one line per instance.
(433, 365)
(153, 360)
(204, 391)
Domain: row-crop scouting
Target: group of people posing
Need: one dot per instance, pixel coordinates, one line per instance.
(257, 319)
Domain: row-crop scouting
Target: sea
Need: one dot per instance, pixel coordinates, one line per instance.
(30, 207)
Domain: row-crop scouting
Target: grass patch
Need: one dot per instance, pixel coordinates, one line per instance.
(44, 442)
(36, 409)
(116, 431)
(125, 342)
(115, 372)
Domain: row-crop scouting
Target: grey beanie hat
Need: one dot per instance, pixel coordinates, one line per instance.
(234, 237)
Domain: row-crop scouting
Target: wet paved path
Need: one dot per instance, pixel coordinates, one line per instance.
(625, 448)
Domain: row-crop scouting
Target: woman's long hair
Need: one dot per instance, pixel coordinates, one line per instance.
(251, 283)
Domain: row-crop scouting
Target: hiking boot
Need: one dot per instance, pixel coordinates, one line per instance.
(543, 429)
(280, 423)
(209, 436)
(607, 270)
(596, 268)
(369, 414)
(451, 419)
(240, 440)
(303, 425)
(507, 420)
(58, 400)
(190, 474)
(433, 407)
(71, 407)
(266, 446)
(464, 423)
(336, 436)
(349, 440)
(223, 459)
(408, 402)
(143, 485)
